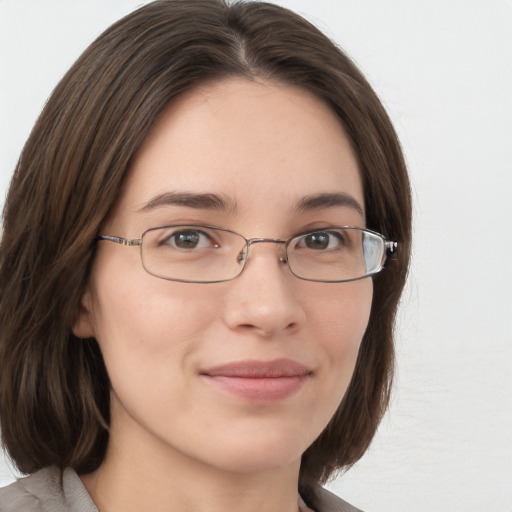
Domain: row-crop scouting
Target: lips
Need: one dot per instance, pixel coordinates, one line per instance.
(259, 380)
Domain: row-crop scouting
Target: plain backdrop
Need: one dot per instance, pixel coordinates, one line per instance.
(443, 69)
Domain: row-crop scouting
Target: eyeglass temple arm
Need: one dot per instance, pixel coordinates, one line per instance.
(119, 240)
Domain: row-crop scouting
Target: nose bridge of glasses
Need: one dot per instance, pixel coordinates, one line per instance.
(245, 252)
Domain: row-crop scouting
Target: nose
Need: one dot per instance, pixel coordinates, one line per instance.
(264, 299)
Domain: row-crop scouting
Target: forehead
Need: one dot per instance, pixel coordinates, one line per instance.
(257, 143)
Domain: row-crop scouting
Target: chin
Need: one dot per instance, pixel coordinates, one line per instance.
(263, 451)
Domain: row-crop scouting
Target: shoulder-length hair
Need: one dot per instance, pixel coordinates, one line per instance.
(54, 388)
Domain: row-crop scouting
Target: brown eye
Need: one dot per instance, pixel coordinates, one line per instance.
(320, 240)
(189, 239)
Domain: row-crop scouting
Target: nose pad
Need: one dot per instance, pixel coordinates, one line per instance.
(243, 255)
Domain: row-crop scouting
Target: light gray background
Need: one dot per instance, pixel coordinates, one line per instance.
(443, 68)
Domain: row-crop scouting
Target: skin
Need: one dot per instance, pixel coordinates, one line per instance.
(177, 441)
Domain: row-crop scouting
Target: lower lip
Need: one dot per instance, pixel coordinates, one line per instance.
(259, 389)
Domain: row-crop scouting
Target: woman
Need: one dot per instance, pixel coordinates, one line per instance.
(193, 314)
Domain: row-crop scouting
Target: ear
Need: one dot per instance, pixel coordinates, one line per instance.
(83, 326)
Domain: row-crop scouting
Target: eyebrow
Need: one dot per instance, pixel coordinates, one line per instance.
(216, 202)
(328, 200)
(191, 200)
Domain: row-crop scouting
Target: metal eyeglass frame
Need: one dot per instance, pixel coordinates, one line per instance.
(390, 248)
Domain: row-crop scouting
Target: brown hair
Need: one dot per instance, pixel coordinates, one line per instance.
(54, 388)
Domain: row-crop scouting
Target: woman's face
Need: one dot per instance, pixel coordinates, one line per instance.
(240, 375)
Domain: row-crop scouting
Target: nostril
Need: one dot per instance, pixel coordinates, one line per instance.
(265, 331)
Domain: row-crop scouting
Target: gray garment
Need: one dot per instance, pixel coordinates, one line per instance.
(42, 492)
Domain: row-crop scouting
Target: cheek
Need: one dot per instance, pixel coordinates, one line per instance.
(146, 339)
(344, 312)
(148, 324)
(342, 319)
(145, 327)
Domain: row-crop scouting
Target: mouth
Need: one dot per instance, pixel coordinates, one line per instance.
(265, 381)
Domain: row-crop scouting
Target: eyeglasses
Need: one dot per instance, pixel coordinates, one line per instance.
(206, 254)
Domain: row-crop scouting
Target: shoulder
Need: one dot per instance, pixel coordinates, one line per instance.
(44, 491)
(322, 500)
(15, 497)
(30, 493)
